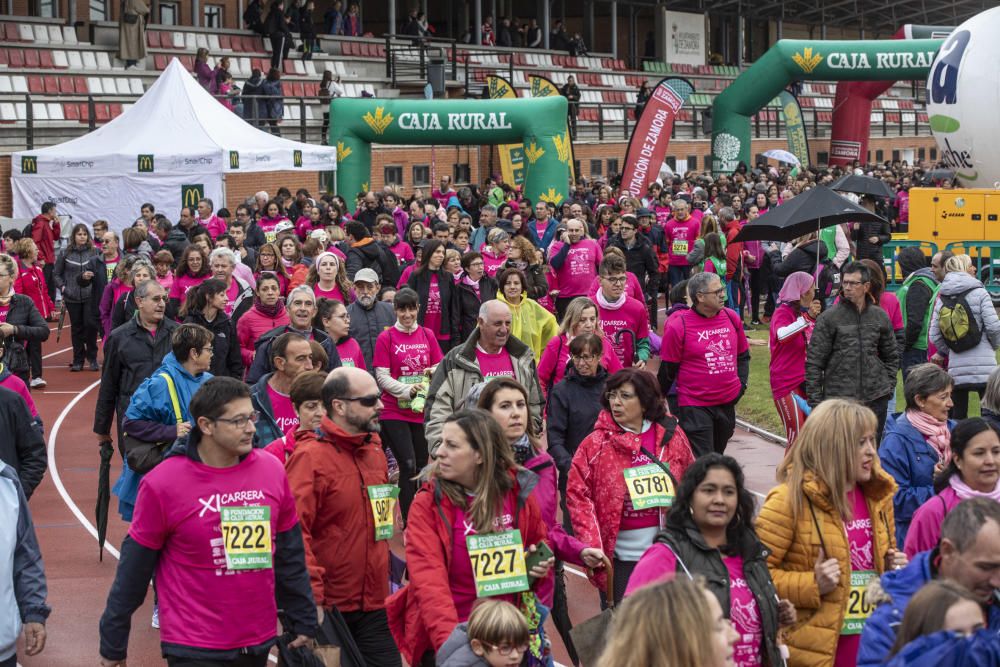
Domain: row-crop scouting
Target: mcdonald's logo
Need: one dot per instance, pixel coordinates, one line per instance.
(192, 194)
(145, 165)
(234, 159)
(296, 158)
(29, 164)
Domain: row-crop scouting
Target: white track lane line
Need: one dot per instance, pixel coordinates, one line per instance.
(57, 352)
(57, 480)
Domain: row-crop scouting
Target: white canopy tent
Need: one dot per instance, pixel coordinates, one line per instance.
(175, 144)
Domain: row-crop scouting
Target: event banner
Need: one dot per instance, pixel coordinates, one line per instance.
(540, 86)
(651, 135)
(511, 155)
(684, 38)
(795, 128)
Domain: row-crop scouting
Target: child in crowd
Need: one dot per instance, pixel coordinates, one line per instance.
(495, 636)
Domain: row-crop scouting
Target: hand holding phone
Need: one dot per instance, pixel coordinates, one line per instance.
(539, 560)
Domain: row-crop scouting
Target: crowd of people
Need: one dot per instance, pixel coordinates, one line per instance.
(294, 385)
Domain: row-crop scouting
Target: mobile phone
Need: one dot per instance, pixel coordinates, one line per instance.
(541, 554)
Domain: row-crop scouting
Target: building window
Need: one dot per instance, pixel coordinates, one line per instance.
(98, 10)
(672, 163)
(596, 168)
(934, 154)
(879, 155)
(393, 175)
(692, 161)
(421, 175)
(612, 167)
(822, 157)
(168, 13)
(921, 153)
(46, 9)
(895, 156)
(706, 161)
(212, 15)
(461, 173)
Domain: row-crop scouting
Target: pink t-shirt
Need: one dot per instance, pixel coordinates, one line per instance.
(788, 356)
(577, 273)
(406, 355)
(232, 294)
(706, 349)
(633, 519)
(284, 411)
(179, 288)
(334, 293)
(4, 311)
(350, 354)
(680, 239)
(744, 614)
(494, 365)
(632, 316)
(859, 538)
(16, 385)
(555, 357)
(432, 316)
(404, 276)
(268, 225)
(492, 263)
(890, 304)
(402, 251)
(460, 579)
(177, 512)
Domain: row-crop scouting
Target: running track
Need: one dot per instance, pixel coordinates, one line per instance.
(63, 508)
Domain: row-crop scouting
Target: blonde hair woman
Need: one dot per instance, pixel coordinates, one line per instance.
(829, 527)
(580, 318)
(678, 623)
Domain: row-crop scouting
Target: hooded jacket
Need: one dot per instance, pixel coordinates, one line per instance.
(150, 415)
(457, 651)
(572, 408)
(531, 323)
(972, 367)
(596, 492)
(68, 274)
(795, 544)
(852, 354)
(44, 233)
(226, 359)
(330, 472)
(468, 303)
(251, 327)
(910, 459)
(422, 615)
(31, 283)
(947, 649)
(365, 254)
(367, 324)
(456, 374)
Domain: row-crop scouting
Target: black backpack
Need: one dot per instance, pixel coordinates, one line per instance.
(387, 266)
(957, 322)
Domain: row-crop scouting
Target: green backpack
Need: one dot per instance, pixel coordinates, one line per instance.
(957, 323)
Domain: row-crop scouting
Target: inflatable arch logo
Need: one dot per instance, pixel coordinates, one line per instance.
(540, 124)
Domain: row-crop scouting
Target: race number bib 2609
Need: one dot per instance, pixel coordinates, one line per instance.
(498, 563)
(246, 537)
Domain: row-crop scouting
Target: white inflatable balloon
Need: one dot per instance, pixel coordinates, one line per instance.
(963, 92)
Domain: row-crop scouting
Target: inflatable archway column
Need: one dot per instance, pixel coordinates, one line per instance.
(806, 60)
(540, 123)
(852, 106)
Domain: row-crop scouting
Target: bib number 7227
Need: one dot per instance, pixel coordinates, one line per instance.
(497, 561)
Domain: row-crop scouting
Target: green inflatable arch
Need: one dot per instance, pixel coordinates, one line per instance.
(540, 123)
(805, 60)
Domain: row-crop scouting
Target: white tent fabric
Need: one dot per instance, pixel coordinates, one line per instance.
(176, 134)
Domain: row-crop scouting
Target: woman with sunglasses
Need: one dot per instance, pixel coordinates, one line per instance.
(710, 533)
(405, 356)
(623, 475)
(475, 507)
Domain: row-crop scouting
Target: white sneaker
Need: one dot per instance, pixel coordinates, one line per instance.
(156, 618)
(37, 383)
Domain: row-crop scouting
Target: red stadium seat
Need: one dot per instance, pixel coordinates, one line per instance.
(225, 43)
(66, 85)
(115, 110)
(3, 57)
(36, 84)
(16, 58)
(102, 113)
(84, 113)
(51, 85)
(80, 84)
(153, 38)
(45, 59)
(289, 67)
(71, 111)
(160, 61)
(31, 58)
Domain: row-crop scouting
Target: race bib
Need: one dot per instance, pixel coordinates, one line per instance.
(498, 563)
(648, 486)
(404, 403)
(858, 609)
(383, 500)
(246, 537)
(679, 247)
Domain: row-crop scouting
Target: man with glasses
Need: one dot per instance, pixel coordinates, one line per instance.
(369, 316)
(340, 481)
(852, 352)
(291, 355)
(131, 353)
(706, 352)
(301, 306)
(220, 592)
(622, 318)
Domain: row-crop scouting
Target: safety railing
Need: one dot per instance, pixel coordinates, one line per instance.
(890, 260)
(986, 258)
(408, 60)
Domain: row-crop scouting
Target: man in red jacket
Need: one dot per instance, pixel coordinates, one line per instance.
(45, 230)
(340, 480)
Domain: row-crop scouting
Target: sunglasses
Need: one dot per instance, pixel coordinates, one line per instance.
(366, 401)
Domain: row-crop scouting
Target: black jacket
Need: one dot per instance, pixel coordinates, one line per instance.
(262, 352)
(420, 282)
(467, 304)
(22, 446)
(255, 235)
(799, 259)
(68, 274)
(291, 578)
(640, 259)
(865, 230)
(123, 310)
(918, 301)
(226, 359)
(573, 406)
(690, 548)
(130, 356)
(371, 255)
(537, 286)
(366, 325)
(275, 24)
(24, 315)
(176, 242)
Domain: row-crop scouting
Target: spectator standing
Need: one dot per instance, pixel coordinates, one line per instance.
(572, 94)
(641, 97)
(31, 283)
(369, 316)
(203, 71)
(252, 17)
(254, 102)
(533, 35)
(352, 21)
(307, 30)
(45, 229)
(274, 100)
(969, 361)
(132, 32)
(619, 314)
(75, 274)
(438, 295)
(869, 237)
(277, 30)
(706, 351)
(334, 18)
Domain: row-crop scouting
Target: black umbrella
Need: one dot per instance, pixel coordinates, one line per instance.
(862, 185)
(103, 495)
(808, 212)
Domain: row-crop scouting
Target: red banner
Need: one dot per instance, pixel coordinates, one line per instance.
(651, 135)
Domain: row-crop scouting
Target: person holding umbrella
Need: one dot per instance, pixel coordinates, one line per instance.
(869, 237)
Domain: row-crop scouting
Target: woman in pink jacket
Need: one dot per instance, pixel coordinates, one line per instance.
(268, 312)
(623, 476)
(973, 471)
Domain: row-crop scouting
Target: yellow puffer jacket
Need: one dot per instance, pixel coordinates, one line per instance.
(795, 546)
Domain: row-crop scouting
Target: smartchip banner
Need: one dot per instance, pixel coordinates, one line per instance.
(795, 129)
(651, 135)
(511, 155)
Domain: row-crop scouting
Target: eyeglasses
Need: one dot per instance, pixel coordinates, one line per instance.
(506, 650)
(366, 401)
(619, 396)
(208, 350)
(615, 280)
(586, 358)
(239, 422)
(156, 299)
(851, 283)
(721, 292)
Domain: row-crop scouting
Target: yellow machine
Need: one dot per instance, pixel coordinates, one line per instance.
(959, 215)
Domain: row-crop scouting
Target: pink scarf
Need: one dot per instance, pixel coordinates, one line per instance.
(964, 491)
(610, 305)
(934, 430)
